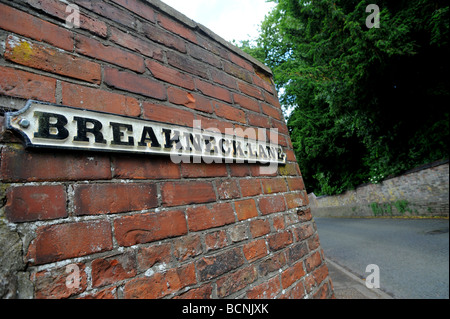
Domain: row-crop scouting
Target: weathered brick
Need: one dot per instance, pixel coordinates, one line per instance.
(30, 203)
(52, 283)
(278, 222)
(99, 100)
(203, 55)
(205, 217)
(271, 111)
(107, 293)
(250, 90)
(195, 170)
(255, 250)
(216, 240)
(250, 187)
(130, 41)
(170, 75)
(227, 189)
(272, 204)
(203, 292)
(320, 273)
(169, 24)
(274, 263)
(213, 91)
(140, 167)
(109, 270)
(313, 261)
(57, 9)
(273, 185)
(236, 281)
(297, 251)
(189, 99)
(95, 49)
(216, 265)
(187, 64)
(303, 231)
(258, 120)
(187, 247)
(141, 9)
(246, 102)
(239, 170)
(245, 209)
(147, 257)
(259, 227)
(27, 85)
(294, 200)
(229, 112)
(185, 193)
(167, 114)
(237, 71)
(145, 228)
(92, 199)
(163, 37)
(109, 11)
(279, 240)
(160, 284)
(20, 165)
(272, 100)
(133, 83)
(292, 274)
(238, 232)
(64, 241)
(29, 26)
(241, 62)
(267, 290)
(295, 183)
(297, 292)
(223, 78)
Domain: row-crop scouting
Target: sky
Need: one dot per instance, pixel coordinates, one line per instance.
(230, 19)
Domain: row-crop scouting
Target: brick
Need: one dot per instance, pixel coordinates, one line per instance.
(27, 85)
(236, 281)
(279, 240)
(129, 41)
(31, 203)
(147, 257)
(267, 290)
(213, 91)
(64, 241)
(167, 114)
(187, 64)
(280, 126)
(95, 49)
(294, 200)
(250, 187)
(259, 227)
(170, 75)
(93, 199)
(139, 8)
(278, 222)
(160, 284)
(203, 55)
(250, 90)
(223, 79)
(297, 292)
(271, 111)
(146, 228)
(320, 273)
(255, 250)
(238, 232)
(57, 9)
(227, 189)
(323, 292)
(272, 100)
(214, 125)
(264, 81)
(272, 204)
(20, 165)
(40, 57)
(186, 193)
(99, 100)
(290, 169)
(108, 11)
(304, 215)
(156, 167)
(292, 274)
(169, 24)
(229, 112)
(107, 293)
(216, 48)
(273, 185)
(110, 270)
(135, 84)
(213, 266)
(245, 209)
(190, 100)
(237, 71)
(297, 251)
(274, 263)
(258, 120)
(29, 26)
(304, 231)
(187, 247)
(216, 240)
(246, 102)
(241, 62)
(313, 261)
(196, 170)
(51, 283)
(206, 217)
(295, 183)
(163, 37)
(239, 170)
(203, 292)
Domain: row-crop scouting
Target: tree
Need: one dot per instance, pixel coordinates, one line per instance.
(368, 102)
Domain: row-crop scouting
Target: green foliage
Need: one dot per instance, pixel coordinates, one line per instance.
(368, 103)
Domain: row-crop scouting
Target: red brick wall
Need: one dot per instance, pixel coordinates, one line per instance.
(131, 226)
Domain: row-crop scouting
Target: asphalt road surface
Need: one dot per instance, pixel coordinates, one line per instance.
(412, 254)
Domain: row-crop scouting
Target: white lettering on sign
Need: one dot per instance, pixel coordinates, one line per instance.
(55, 126)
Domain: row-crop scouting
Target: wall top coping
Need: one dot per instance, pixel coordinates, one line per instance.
(199, 27)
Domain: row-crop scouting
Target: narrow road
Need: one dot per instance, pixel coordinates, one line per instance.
(412, 254)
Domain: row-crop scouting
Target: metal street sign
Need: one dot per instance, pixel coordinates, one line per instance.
(63, 127)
